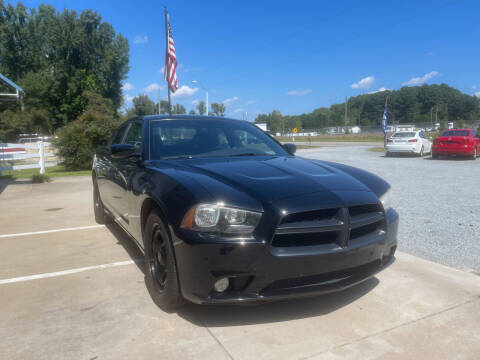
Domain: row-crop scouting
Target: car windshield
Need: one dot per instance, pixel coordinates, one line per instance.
(456, 133)
(209, 138)
(404, 135)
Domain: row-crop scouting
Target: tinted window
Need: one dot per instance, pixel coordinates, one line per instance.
(134, 135)
(209, 138)
(117, 138)
(456, 133)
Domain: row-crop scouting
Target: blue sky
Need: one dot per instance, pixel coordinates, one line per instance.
(257, 56)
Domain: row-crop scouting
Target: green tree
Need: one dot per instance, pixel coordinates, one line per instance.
(89, 133)
(218, 109)
(179, 109)
(192, 112)
(201, 108)
(142, 105)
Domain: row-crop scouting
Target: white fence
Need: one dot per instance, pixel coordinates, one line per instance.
(14, 152)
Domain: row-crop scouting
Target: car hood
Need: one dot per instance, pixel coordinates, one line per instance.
(270, 179)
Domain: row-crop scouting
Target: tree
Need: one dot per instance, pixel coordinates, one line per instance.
(218, 109)
(58, 58)
(142, 105)
(192, 112)
(89, 133)
(179, 109)
(201, 108)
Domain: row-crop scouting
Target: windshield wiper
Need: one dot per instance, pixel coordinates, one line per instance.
(177, 157)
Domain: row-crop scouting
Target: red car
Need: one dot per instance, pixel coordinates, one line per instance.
(457, 142)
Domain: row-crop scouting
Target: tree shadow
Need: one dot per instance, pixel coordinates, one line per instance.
(271, 312)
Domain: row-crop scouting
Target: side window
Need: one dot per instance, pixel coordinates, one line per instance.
(134, 135)
(118, 136)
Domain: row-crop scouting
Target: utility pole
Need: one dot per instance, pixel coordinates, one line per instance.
(158, 101)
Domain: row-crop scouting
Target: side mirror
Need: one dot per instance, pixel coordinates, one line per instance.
(121, 151)
(291, 148)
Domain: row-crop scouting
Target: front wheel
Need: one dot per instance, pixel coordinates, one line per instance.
(101, 216)
(161, 275)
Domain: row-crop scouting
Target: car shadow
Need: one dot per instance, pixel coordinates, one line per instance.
(5, 182)
(124, 239)
(451, 158)
(254, 313)
(271, 312)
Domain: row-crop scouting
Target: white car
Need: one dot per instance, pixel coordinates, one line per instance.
(408, 142)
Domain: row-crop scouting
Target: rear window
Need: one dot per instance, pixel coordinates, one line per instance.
(456, 133)
(404, 134)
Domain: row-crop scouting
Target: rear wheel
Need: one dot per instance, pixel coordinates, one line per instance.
(161, 275)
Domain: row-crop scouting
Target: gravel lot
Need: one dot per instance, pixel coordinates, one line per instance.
(438, 201)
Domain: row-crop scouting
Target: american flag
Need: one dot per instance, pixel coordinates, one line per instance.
(170, 61)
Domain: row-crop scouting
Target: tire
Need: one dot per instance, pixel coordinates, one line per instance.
(434, 156)
(161, 276)
(101, 216)
(474, 155)
(387, 154)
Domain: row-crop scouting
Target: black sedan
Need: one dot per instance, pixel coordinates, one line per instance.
(226, 214)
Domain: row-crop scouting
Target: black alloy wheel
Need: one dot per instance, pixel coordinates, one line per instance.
(101, 216)
(161, 275)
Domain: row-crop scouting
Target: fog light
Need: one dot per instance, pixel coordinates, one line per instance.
(221, 285)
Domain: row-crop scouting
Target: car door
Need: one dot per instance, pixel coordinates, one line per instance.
(126, 168)
(105, 169)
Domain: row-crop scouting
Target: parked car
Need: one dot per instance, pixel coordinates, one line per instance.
(463, 142)
(225, 214)
(408, 142)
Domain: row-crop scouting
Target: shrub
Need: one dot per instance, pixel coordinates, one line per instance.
(40, 178)
(79, 140)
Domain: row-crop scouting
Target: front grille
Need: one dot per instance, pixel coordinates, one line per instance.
(329, 226)
(333, 278)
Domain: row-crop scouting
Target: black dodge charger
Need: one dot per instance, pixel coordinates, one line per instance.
(225, 214)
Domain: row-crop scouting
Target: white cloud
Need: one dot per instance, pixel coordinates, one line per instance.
(238, 110)
(474, 87)
(421, 80)
(153, 87)
(379, 90)
(184, 91)
(365, 83)
(128, 87)
(250, 102)
(139, 39)
(161, 69)
(477, 94)
(230, 100)
(299, 92)
(128, 98)
(195, 102)
(430, 53)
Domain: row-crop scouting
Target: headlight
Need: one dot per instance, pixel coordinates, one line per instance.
(221, 219)
(385, 199)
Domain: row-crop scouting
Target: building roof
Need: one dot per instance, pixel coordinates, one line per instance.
(10, 83)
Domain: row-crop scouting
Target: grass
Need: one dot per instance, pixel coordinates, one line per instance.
(377, 149)
(334, 138)
(54, 171)
(307, 147)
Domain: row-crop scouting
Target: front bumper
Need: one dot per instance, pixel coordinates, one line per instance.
(260, 272)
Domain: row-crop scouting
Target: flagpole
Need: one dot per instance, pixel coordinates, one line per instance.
(167, 62)
(385, 130)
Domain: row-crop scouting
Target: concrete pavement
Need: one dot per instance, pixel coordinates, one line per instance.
(413, 309)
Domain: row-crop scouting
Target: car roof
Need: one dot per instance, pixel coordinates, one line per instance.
(186, 117)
